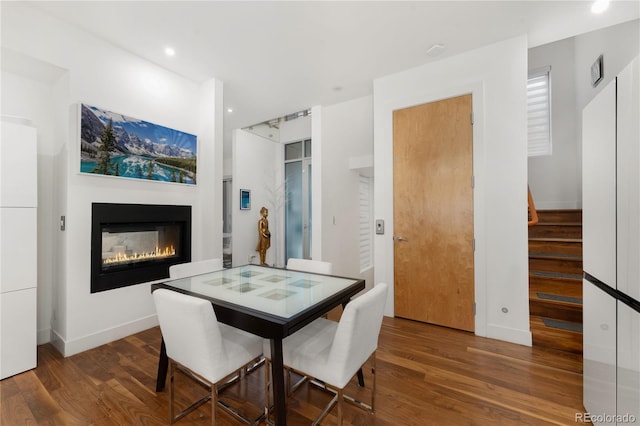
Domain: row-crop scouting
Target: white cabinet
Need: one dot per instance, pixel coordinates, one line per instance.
(19, 160)
(628, 180)
(18, 312)
(628, 238)
(599, 350)
(599, 183)
(18, 248)
(628, 363)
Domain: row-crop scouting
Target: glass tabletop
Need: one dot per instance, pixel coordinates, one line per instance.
(278, 292)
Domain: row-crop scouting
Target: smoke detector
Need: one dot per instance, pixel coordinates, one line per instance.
(435, 50)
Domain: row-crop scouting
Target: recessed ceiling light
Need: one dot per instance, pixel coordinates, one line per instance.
(229, 109)
(169, 51)
(599, 6)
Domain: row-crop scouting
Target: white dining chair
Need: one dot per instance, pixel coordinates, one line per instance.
(333, 352)
(189, 269)
(205, 350)
(319, 267)
(308, 265)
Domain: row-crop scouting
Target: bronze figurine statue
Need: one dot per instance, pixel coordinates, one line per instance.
(264, 236)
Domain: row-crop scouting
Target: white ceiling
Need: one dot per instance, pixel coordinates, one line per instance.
(277, 58)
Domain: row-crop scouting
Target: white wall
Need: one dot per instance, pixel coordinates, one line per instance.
(618, 44)
(257, 166)
(347, 132)
(108, 77)
(295, 130)
(554, 179)
(496, 76)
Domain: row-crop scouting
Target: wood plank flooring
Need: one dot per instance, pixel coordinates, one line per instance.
(426, 375)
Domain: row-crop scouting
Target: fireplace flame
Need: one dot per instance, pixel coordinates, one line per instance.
(158, 253)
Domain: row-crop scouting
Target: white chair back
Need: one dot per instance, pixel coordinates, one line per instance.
(307, 265)
(191, 333)
(190, 269)
(357, 335)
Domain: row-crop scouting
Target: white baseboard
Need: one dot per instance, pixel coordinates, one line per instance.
(513, 335)
(75, 346)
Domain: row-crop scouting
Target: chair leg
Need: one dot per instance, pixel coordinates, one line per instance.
(373, 388)
(340, 400)
(214, 404)
(172, 370)
(267, 389)
(360, 378)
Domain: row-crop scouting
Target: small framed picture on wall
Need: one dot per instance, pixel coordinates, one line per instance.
(245, 199)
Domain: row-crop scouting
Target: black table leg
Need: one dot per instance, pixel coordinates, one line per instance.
(277, 382)
(163, 365)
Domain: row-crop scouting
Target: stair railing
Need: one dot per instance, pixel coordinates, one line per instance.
(533, 214)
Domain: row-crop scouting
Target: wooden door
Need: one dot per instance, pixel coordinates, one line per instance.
(433, 213)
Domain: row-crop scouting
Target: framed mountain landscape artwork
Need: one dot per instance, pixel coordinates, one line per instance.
(116, 145)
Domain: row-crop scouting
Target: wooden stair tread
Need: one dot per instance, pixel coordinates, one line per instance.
(559, 288)
(538, 324)
(550, 337)
(555, 299)
(555, 223)
(555, 275)
(560, 210)
(552, 265)
(558, 256)
(556, 239)
(555, 247)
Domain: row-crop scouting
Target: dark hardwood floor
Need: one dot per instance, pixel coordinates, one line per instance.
(426, 375)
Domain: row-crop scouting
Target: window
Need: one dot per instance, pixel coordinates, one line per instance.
(539, 112)
(366, 225)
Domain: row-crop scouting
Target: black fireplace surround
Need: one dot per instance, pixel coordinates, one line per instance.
(136, 243)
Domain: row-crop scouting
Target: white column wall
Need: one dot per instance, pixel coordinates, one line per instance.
(347, 132)
(108, 77)
(496, 76)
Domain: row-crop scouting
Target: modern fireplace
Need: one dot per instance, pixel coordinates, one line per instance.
(136, 243)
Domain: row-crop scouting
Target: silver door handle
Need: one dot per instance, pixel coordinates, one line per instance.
(400, 238)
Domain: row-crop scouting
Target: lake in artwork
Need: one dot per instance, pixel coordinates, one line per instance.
(117, 145)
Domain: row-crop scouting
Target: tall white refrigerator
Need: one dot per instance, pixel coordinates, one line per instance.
(611, 251)
(18, 246)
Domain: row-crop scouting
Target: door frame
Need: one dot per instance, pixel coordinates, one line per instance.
(385, 251)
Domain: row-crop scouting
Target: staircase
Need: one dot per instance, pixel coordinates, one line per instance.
(555, 280)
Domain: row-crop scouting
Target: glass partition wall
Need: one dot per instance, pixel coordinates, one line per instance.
(297, 170)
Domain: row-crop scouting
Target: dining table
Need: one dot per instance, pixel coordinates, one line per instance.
(269, 302)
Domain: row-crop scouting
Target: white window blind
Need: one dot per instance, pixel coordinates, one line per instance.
(366, 225)
(539, 112)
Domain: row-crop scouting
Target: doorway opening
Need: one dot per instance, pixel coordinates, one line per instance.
(297, 178)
